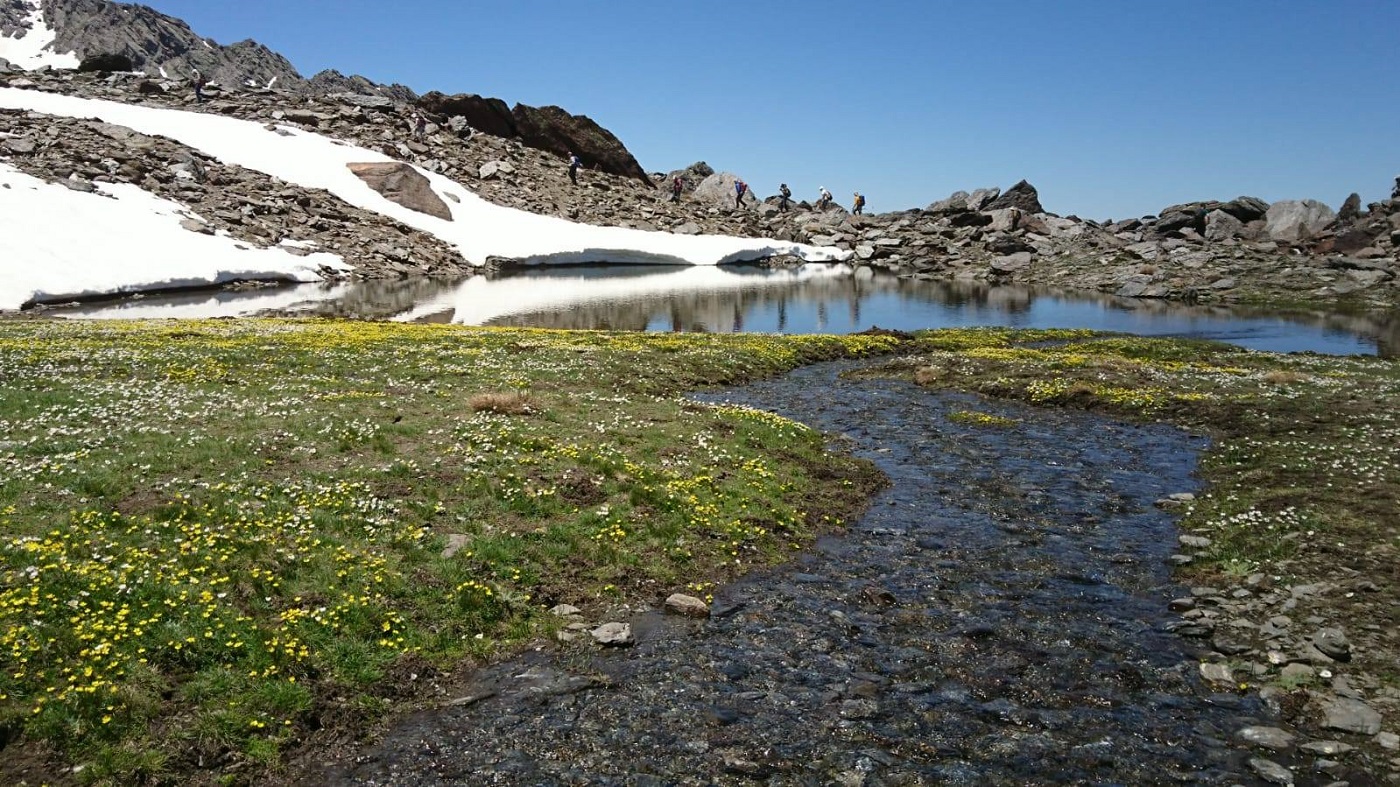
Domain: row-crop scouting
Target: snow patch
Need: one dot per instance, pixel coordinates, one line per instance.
(59, 244)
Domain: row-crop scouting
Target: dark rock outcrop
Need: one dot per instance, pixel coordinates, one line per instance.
(1021, 196)
(489, 115)
(106, 63)
(550, 129)
(555, 130)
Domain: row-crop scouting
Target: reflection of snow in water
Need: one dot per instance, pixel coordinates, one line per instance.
(209, 304)
(479, 300)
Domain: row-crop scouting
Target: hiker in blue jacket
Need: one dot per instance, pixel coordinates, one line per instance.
(574, 164)
(740, 189)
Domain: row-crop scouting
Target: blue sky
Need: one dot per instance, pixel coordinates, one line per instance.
(1110, 108)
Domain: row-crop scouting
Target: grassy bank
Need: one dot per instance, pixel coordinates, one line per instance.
(217, 537)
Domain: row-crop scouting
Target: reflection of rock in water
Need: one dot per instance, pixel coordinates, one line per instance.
(731, 310)
(376, 299)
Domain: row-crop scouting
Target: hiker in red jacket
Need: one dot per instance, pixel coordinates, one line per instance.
(676, 189)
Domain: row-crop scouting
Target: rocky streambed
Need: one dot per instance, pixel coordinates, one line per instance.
(999, 616)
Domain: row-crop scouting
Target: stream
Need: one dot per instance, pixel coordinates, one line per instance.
(996, 617)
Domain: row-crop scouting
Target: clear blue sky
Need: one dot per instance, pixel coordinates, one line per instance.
(1111, 108)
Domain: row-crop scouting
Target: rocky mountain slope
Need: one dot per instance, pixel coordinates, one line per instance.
(1289, 253)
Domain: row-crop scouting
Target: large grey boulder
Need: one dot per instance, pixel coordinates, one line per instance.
(1222, 226)
(402, 185)
(718, 189)
(1297, 220)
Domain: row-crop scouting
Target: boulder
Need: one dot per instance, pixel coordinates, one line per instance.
(1021, 196)
(1222, 226)
(403, 185)
(1246, 209)
(718, 189)
(1004, 220)
(1011, 263)
(953, 203)
(980, 198)
(1350, 210)
(691, 177)
(960, 201)
(1297, 220)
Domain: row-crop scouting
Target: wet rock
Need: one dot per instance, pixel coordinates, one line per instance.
(1326, 748)
(613, 635)
(1217, 673)
(1267, 737)
(1194, 542)
(1270, 771)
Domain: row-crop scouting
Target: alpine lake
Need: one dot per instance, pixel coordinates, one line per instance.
(810, 299)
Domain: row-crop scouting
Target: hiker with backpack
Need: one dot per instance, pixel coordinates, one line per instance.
(574, 164)
(857, 204)
(823, 201)
(676, 186)
(740, 189)
(784, 194)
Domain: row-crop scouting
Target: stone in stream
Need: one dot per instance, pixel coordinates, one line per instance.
(613, 635)
(690, 606)
(1270, 771)
(1268, 737)
(1326, 748)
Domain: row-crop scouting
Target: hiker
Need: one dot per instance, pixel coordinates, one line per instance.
(574, 164)
(420, 126)
(198, 88)
(784, 194)
(740, 189)
(676, 189)
(1395, 192)
(824, 200)
(857, 204)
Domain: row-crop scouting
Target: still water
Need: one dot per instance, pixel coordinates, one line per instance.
(814, 298)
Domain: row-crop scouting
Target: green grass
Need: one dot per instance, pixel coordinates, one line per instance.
(218, 536)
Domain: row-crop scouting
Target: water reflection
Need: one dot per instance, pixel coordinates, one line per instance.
(807, 299)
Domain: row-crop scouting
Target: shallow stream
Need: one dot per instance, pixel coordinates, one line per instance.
(994, 618)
